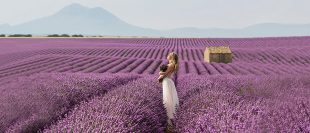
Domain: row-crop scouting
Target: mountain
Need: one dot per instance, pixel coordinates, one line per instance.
(275, 29)
(258, 30)
(78, 19)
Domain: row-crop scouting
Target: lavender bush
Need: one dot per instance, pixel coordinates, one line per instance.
(134, 107)
(243, 104)
(29, 103)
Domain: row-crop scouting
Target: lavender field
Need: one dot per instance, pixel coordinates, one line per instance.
(110, 85)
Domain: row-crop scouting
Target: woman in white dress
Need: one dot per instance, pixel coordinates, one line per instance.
(170, 97)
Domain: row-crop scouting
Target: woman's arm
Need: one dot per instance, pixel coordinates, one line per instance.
(169, 69)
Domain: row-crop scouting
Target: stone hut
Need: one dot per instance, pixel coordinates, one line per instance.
(219, 54)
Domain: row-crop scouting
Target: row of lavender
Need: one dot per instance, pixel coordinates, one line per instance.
(134, 107)
(33, 102)
(93, 64)
(128, 103)
(248, 104)
(63, 102)
(184, 43)
(20, 44)
(243, 104)
(275, 56)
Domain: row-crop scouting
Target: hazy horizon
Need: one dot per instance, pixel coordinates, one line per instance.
(171, 14)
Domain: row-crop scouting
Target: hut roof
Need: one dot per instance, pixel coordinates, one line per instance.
(219, 49)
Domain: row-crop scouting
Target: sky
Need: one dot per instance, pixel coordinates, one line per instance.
(169, 14)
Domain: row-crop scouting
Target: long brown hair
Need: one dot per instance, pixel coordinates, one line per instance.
(175, 59)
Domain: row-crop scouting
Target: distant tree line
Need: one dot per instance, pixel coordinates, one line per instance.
(16, 35)
(20, 35)
(77, 35)
(52, 35)
(64, 35)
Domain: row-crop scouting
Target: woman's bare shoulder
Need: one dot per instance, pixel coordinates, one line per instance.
(170, 65)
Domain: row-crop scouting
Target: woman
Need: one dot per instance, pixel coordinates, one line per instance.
(170, 97)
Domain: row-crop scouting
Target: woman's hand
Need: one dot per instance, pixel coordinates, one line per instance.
(161, 73)
(160, 78)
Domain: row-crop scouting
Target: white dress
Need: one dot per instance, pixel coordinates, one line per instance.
(170, 97)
